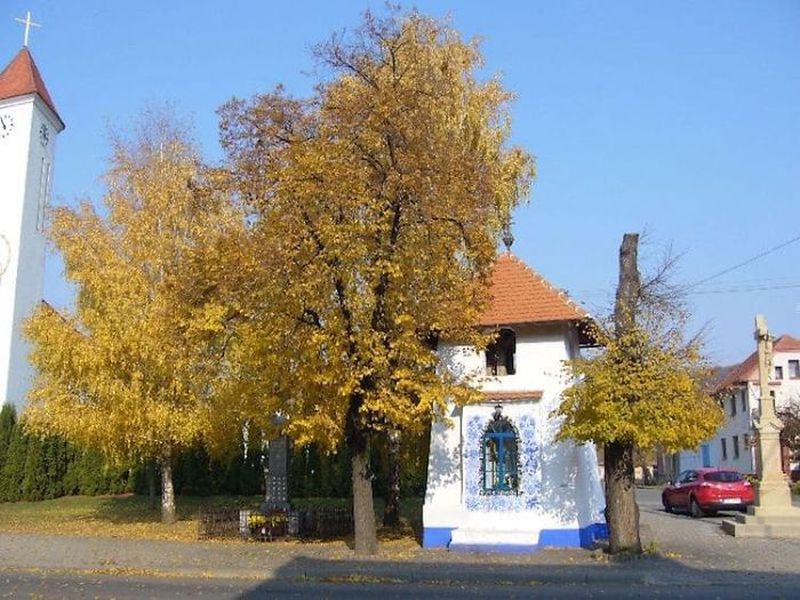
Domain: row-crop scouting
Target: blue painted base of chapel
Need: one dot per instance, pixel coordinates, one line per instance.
(439, 537)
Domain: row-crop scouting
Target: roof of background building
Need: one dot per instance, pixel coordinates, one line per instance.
(747, 370)
(21, 77)
(520, 295)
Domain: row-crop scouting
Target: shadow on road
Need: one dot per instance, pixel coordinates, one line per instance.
(649, 571)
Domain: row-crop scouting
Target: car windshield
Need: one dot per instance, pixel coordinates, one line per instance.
(726, 476)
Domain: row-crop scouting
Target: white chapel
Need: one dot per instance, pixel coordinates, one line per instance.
(29, 125)
(497, 479)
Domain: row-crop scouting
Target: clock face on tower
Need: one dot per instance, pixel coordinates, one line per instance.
(6, 125)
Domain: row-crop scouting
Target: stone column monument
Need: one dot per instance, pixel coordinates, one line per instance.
(277, 475)
(773, 514)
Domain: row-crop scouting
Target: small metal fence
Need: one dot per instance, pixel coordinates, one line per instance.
(324, 522)
(305, 523)
(219, 522)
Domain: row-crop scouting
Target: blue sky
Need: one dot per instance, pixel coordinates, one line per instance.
(679, 117)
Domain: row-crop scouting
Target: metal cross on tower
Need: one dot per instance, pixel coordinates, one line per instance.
(28, 22)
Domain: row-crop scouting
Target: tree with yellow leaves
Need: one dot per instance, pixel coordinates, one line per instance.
(644, 389)
(131, 369)
(377, 205)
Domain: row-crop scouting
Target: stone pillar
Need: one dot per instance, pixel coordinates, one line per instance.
(773, 515)
(277, 480)
(773, 488)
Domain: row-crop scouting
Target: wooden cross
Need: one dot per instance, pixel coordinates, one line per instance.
(28, 24)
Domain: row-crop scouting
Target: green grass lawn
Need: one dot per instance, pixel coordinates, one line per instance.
(130, 516)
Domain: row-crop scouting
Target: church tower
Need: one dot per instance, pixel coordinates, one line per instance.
(29, 124)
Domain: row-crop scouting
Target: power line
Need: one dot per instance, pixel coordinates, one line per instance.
(743, 263)
(595, 292)
(734, 290)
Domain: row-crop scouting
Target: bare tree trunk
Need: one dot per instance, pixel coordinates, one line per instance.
(622, 512)
(167, 492)
(391, 511)
(629, 286)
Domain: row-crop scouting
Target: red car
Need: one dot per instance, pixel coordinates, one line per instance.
(705, 491)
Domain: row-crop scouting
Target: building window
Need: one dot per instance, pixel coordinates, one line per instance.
(705, 453)
(744, 401)
(44, 192)
(724, 449)
(500, 456)
(733, 405)
(736, 446)
(778, 372)
(794, 369)
(500, 354)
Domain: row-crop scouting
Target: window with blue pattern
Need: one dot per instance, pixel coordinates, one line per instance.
(500, 455)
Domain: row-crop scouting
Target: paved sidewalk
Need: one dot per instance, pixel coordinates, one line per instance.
(684, 552)
(336, 563)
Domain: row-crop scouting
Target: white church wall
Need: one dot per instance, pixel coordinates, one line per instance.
(26, 182)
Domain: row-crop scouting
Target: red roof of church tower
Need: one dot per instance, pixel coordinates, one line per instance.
(520, 295)
(21, 77)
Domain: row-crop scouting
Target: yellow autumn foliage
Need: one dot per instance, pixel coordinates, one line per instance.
(376, 209)
(643, 388)
(132, 367)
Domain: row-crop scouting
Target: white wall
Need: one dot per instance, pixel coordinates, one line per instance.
(566, 477)
(23, 159)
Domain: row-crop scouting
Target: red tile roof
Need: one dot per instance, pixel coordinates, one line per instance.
(786, 343)
(21, 77)
(520, 295)
(512, 396)
(747, 370)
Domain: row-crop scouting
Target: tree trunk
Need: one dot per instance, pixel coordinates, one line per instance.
(151, 485)
(366, 542)
(391, 511)
(629, 286)
(167, 492)
(357, 436)
(622, 512)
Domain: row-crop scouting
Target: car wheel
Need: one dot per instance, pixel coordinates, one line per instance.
(667, 506)
(695, 510)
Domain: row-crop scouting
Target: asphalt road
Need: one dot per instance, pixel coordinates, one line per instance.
(703, 549)
(649, 500)
(124, 588)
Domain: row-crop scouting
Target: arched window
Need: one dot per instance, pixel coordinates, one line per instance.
(500, 353)
(500, 456)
